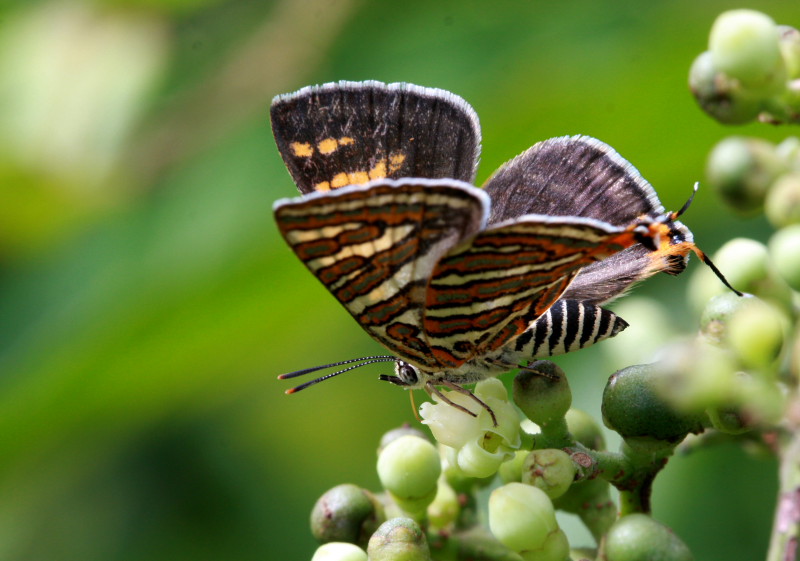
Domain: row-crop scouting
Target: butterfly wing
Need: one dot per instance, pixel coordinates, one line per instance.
(582, 176)
(348, 133)
(487, 291)
(374, 247)
(571, 176)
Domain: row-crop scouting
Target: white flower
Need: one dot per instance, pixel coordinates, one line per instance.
(478, 446)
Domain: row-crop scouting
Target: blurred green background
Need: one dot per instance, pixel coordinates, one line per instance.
(147, 301)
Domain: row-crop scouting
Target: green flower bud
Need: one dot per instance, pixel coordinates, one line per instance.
(445, 507)
(399, 539)
(744, 45)
(554, 548)
(346, 513)
(717, 313)
(585, 429)
(638, 536)
(755, 332)
(396, 433)
(784, 248)
(720, 96)
(511, 470)
(339, 551)
(551, 470)
(789, 43)
(742, 169)
(542, 392)
(409, 468)
(782, 205)
(521, 516)
(634, 407)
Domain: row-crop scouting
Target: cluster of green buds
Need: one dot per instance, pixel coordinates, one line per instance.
(753, 175)
(540, 457)
(751, 70)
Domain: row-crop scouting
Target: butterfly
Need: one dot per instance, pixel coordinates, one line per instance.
(460, 283)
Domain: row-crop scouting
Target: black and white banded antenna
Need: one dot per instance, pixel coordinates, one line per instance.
(363, 361)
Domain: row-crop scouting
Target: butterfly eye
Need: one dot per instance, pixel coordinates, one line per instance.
(406, 373)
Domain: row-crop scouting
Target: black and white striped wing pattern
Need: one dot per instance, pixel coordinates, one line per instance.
(348, 133)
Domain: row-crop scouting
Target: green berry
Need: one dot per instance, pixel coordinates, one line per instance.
(551, 470)
(744, 44)
(339, 551)
(636, 537)
(716, 314)
(719, 96)
(399, 539)
(542, 392)
(784, 249)
(409, 468)
(782, 205)
(742, 169)
(634, 407)
(396, 433)
(521, 516)
(346, 513)
(755, 333)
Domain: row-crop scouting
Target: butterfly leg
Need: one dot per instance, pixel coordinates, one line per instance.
(549, 375)
(431, 388)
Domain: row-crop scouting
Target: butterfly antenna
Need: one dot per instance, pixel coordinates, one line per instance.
(705, 259)
(364, 361)
(688, 203)
(700, 254)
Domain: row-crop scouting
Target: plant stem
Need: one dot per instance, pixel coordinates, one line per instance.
(784, 543)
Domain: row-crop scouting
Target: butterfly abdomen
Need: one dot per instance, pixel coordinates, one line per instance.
(567, 326)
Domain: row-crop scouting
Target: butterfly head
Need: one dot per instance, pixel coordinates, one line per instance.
(676, 243)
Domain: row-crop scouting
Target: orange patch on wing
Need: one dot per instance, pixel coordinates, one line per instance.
(395, 161)
(378, 171)
(340, 180)
(327, 146)
(302, 149)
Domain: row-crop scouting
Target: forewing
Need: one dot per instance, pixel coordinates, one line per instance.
(348, 133)
(487, 291)
(374, 247)
(571, 176)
